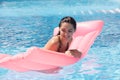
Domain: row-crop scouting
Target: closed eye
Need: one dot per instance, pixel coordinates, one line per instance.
(63, 30)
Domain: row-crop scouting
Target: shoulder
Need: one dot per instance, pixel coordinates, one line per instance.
(52, 44)
(54, 40)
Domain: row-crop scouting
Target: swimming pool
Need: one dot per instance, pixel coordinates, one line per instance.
(30, 23)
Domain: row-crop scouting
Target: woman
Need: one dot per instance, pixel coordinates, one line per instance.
(63, 39)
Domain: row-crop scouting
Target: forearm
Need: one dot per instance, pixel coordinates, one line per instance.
(74, 52)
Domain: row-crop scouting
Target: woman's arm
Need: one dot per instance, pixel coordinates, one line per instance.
(74, 52)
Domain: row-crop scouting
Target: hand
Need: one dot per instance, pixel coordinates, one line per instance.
(74, 52)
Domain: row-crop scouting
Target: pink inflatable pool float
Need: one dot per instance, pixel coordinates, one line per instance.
(39, 59)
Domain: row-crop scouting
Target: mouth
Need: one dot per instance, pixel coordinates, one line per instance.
(67, 37)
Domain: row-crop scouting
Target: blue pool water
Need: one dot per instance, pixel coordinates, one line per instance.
(24, 24)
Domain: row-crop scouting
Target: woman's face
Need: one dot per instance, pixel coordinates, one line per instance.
(66, 30)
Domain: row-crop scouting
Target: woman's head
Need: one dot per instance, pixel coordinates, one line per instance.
(68, 19)
(67, 27)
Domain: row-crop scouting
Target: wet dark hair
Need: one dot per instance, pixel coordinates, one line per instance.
(67, 19)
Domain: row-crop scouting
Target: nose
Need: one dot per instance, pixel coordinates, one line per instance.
(67, 34)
